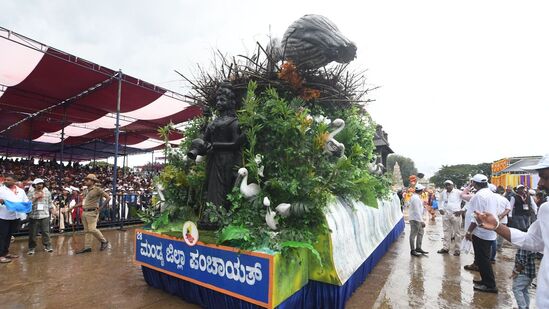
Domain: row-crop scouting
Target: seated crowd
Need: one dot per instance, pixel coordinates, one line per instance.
(134, 188)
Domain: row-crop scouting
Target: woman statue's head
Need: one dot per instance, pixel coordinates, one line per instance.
(225, 98)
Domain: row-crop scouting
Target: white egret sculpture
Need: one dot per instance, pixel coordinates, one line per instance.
(249, 191)
(270, 219)
(283, 209)
(332, 146)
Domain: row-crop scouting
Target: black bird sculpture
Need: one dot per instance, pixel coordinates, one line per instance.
(312, 42)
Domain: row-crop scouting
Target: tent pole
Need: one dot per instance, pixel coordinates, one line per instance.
(125, 154)
(63, 143)
(62, 174)
(115, 167)
(94, 150)
(29, 150)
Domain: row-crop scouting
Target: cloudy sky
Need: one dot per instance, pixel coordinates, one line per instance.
(461, 81)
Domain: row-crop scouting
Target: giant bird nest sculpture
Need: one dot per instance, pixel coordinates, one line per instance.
(300, 64)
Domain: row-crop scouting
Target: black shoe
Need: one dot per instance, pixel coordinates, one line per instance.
(415, 253)
(104, 245)
(471, 267)
(457, 253)
(483, 288)
(477, 282)
(421, 251)
(443, 251)
(85, 250)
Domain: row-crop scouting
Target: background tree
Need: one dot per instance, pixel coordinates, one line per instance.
(459, 174)
(407, 167)
(164, 133)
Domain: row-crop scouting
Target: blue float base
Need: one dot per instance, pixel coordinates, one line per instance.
(314, 295)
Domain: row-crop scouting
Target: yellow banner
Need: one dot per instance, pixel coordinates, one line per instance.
(500, 165)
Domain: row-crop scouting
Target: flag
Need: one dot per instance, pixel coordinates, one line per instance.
(23, 207)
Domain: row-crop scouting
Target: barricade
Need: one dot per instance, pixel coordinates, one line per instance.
(128, 204)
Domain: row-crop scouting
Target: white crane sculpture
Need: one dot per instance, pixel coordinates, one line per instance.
(332, 146)
(251, 190)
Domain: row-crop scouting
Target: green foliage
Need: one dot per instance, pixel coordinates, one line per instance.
(161, 221)
(459, 174)
(407, 167)
(285, 156)
(182, 180)
(288, 245)
(164, 133)
(216, 214)
(234, 232)
(287, 144)
(148, 215)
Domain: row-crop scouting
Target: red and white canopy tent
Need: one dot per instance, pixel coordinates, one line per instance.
(51, 97)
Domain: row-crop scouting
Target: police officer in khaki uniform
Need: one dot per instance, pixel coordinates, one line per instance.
(92, 197)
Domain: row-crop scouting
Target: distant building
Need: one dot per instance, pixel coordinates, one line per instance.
(381, 141)
(509, 172)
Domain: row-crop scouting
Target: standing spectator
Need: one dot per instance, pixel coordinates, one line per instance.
(536, 239)
(75, 206)
(450, 208)
(91, 207)
(521, 205)
(415, 216)
(534, 212)
(483, 201)
(467, 194)
(523, 275)
(62, 203)
(540, 198)
(39, 218)
(434, 204)
(429, 203)
(509, 193)
(500, 190)
(130, 201)
(146, 198)
(504, 207)
(107, 212)
(9, 220)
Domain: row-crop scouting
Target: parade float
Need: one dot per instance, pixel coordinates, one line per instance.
(273, 198)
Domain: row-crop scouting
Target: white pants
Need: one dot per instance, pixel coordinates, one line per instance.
(123, 206)
(452, 229)
(61, 216)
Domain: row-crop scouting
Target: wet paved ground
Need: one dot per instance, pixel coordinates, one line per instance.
(433, 281)
(110, 280)
(98, 279)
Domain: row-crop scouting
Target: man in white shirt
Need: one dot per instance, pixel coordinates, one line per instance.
(9, 220)
(450, 208)
(537, 237)
(467, 194)
(504, 207)
(483, 201)
(417, 223)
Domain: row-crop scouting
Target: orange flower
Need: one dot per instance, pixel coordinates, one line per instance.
(310, 94)
(320, 140)
(288, 72)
